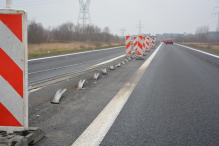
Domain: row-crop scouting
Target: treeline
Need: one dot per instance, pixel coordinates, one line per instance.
(202, 34)
(67, 32)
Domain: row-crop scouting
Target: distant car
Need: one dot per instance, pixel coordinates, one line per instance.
(163, 40)
(169, 41)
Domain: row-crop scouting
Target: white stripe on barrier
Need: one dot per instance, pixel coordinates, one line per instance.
(14, 102)
(8, 48)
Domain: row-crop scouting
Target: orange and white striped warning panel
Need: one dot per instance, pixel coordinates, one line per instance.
(140, 46)
(128, 45)
(147, 40)
(13, 70)
(135, 44)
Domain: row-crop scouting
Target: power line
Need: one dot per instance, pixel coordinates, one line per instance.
(34, 3)
(139, 27)
(122, 32)
(217, 26)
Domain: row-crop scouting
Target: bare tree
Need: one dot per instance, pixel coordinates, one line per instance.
(36, 32)
(68, 32)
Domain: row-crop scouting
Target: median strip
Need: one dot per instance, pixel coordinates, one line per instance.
(97, 130)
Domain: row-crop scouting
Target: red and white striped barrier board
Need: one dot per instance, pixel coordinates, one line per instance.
(140, 46)
(13, 70)
(128, 46)
(135, 44)
(153, 42)
(147, 43)
(144, 45)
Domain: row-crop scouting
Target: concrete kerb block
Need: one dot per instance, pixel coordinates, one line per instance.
(126, 60)
(123, 62)
(139, 58)
(144, 54)
(130, 58)
(58, 96)
(22, 138)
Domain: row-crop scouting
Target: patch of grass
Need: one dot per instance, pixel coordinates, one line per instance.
(61, 51)
(203, 46)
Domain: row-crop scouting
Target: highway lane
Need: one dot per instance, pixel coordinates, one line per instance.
(88, 58)
(176, 102)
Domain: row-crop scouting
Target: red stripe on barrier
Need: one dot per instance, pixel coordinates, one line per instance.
(7, 119)
(140, 37)
(135, 43)
(147, 43)
(140, 45)
(128, 45)
(11, 72)
(139, 54)
(127, 37)
(14, 23)
(129, 53)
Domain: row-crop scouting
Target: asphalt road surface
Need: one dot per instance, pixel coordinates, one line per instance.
(88, 58)
(176, 102)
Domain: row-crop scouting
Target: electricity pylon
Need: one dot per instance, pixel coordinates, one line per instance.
(84, 14)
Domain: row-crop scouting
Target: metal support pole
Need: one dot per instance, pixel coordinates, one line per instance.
(8, 4)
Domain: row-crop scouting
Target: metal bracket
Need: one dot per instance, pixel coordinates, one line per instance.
(96, 75)
(58, 95)
(112, 67)
(81, 84)
(118, 65)
(104, 71)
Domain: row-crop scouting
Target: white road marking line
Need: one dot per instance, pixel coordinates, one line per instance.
(68, 66)
(87, 69)
(198, 50)
(73, 54)
(97, 130)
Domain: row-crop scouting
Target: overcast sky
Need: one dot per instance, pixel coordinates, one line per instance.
(157, 16)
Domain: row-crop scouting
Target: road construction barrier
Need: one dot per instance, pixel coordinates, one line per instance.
(140, 48)
(147, 43)
(14, 79)
(135, 44)
(153, 42)
(128, 46)
(144, 45)
(13, 70)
